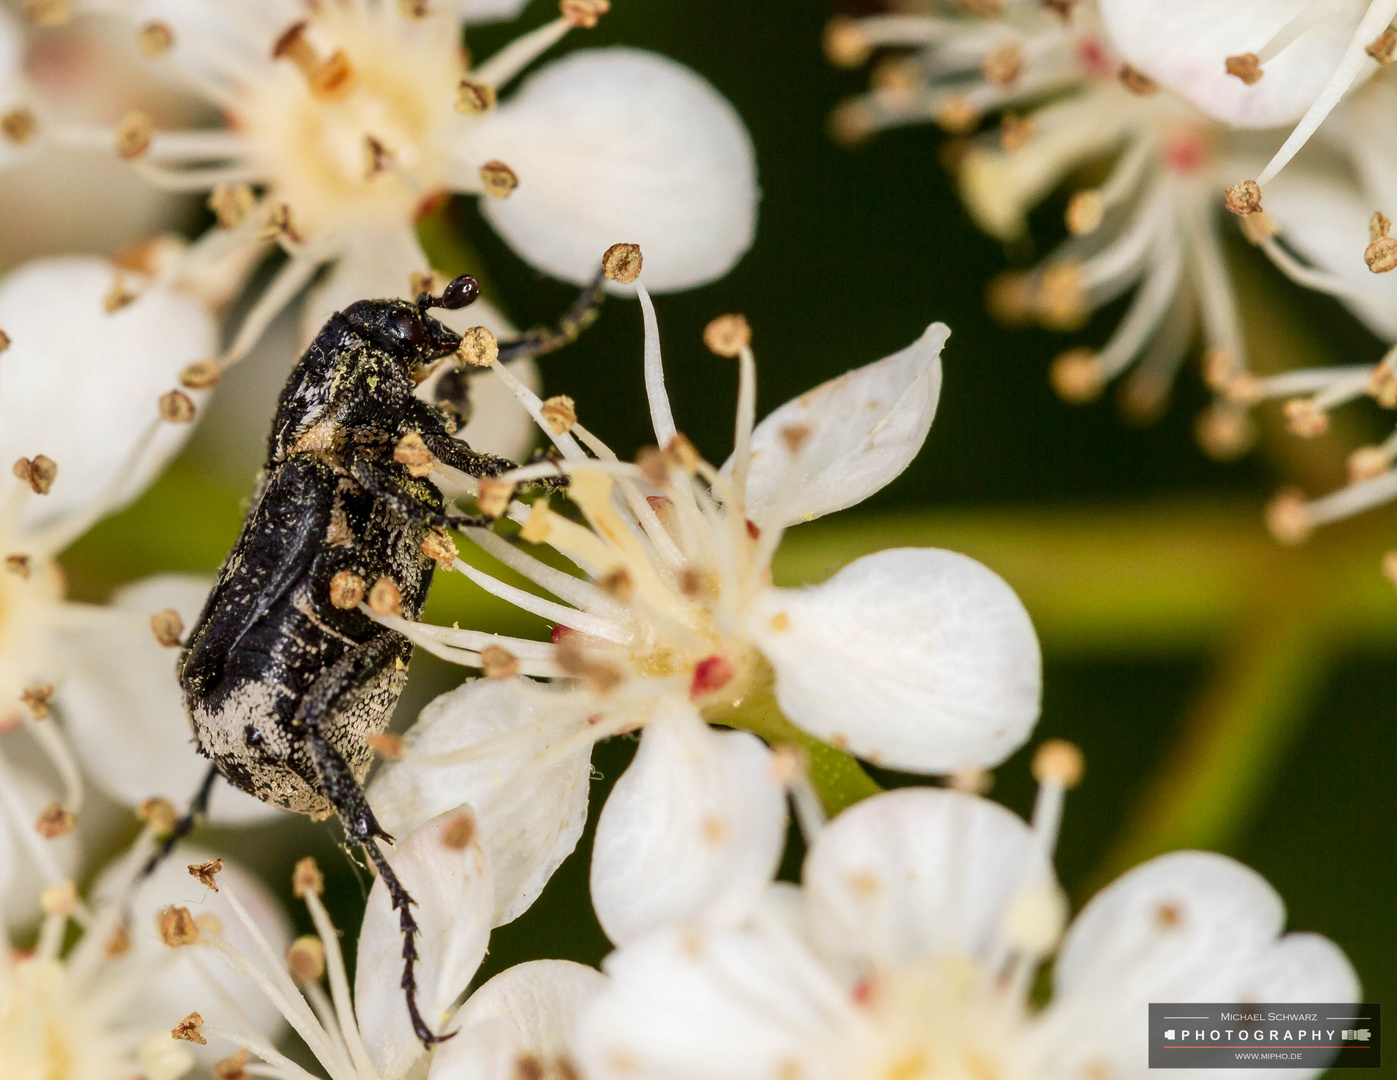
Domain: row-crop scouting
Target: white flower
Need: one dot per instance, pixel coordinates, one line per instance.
(80, 423)
(1148, 85)
(912, 949)
(101, 1007)
(918, 659)
(343, 120)
(520, 1020)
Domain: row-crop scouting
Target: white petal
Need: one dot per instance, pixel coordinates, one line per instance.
(474, 12)
(1189, 926)
(695, 1003)
(915, 874)
(454, 897)
(189, 978)
(80, 385)
(616, 145)
(1183, 45)
(915, 658)
(124, 711)
(20, 880)
(530, 819)
(527, 1010)
(864, 428)
(694, 829)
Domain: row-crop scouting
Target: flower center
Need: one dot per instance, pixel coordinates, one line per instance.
(45, 1033)
(352, 122)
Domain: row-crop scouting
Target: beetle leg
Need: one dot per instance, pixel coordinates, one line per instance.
(581, 315)
(334, 690)
(383, 481)
(198, 807)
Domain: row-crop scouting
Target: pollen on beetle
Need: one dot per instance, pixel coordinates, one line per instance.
(188, 1029)
(384, 598)
(438, 546)
(39, 472)
(1058, 761)
(306, 958)
(479, 347)
(177, 927)
(1288, 517)
(493, 499)
(412, 453)
(584, 13)
(159, 814)
(728, 335)
(206, 873)
(233, 1067)
(499, 179)
(474, 97)
(460, 832)
(1245, 66)
(177, 407)
(155, 39)
(622, 262)
(306, 878)
(134, 132)
(559, 413)
(167, 627)
(1244, 198)
(232, 204)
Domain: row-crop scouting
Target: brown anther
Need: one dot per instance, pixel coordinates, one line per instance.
(1015, 131)
(1383, 48)
(177, 927)
(971, 781)
(1219, 368)
(559, 413)
(1224, 432)
(710, 674)
(895, 77)
(328, 79)
(1136, 81)
(346, 590)
(795, 436)
(622, 262)
(572, 659)
(155, 39)
(187, 1030)
(206, 873)
(1058, 762)
(474, 97)
(233, 1067)
(306, 878)
(118, 296)
(55, 821)
(232, 203)
(478, 348)
(48, 12)
(412, 452)
(119, 943)
(384, 598)
(280, 224)
(850, 123)
(18, 125)
(19, 565)
(4, 341)
(680, 454)
(460, 832)
(1288, 517)
(201, 375)
(1305, 419)
(692, 583)
(1243, 199)
(617, 584)
(528, 1067)
(159, 814)
(1076, 376)
(306, 958)
(1061, 297)
(1085, 211)
(728, 335)
(167, 627)
(386, 745)
(414, 9)
(1381, 252)
(39, 472)
(499, 179)
(1367, 463)
(955, 114)
(37, 699)
(1011, 298)
(846, 43)
(377, 157)
(584, 14)
(134, 132)
(1245, 66)
(438, 546)
(1003, 64)
(60, 899)
(177, 407)
(497, 662)
(652, 466)
(493, 497)
(1382, 386)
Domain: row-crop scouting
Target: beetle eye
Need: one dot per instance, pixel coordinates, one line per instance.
(407, 327)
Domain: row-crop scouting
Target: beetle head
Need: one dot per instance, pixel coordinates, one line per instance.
(405, 330)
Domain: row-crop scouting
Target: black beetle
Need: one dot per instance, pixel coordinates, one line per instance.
(285, 679)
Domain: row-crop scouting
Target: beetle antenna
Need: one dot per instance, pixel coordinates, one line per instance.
(459, 292)
(582, 314)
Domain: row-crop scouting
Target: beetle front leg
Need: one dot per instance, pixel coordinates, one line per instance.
(385, 481)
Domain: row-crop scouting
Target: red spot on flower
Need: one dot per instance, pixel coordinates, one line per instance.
(862, 993)
(658, 503)
(711, 673)
(559, 632)
(1094, 59)
(1184, 152)
(753, 529)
